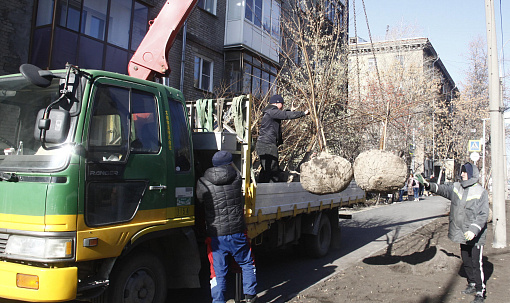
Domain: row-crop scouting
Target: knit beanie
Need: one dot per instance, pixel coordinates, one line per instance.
(276, 99)
(222, 158)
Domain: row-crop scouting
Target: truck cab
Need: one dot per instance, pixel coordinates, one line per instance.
(94, 167)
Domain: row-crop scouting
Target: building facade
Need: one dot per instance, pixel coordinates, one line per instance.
(418, 54)
(226, 47)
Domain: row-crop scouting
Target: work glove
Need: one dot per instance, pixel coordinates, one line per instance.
(420, 179)
(469, 235)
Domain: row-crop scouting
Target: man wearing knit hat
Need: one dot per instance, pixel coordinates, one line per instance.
(469, 212)
(219, 193)
(270, 136)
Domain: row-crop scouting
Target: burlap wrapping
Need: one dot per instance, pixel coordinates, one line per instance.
(380, 171)
(326, 174)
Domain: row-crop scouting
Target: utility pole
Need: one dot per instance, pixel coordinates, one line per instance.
(496, 117)
(483, 153)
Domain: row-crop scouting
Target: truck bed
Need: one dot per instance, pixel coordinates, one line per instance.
(272, 198)
(273, 201)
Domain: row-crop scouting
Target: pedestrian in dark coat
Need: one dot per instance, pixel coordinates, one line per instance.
(270, 136)
(219, 193)
(469, 212)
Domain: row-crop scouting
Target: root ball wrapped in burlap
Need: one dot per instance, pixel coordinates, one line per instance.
(326, 174)
(379, 171)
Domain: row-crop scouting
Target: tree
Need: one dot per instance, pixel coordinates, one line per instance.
(461, 119)
(313, 74)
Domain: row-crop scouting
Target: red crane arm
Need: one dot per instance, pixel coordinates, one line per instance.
(150, 57)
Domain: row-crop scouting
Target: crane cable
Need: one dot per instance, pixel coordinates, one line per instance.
(372, 48)
(357, 52)
(383, 137)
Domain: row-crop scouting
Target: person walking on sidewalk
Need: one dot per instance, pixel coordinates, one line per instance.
(469, 212)
(413, 188)
(219, 192)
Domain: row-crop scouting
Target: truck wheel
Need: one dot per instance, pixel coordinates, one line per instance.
(318, 245)
(138, 278)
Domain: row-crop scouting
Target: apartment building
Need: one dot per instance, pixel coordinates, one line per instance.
(226, 46)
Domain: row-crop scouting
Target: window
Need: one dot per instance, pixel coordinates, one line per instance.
(208, 5)
(275, 20)
(139, 30)
(203, 74)
(112, 202)
(180, 137)
(109, 132)
(399, 59)
(267, 16)
(44, 13)
(119, 22)
(88, 34)
(254, 12)
(256, 77)
(68, 15)
(371, 63)
(145, 128)
(93, 18)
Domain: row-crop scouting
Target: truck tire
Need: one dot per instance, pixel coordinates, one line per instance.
(318, 245)
(138, 278)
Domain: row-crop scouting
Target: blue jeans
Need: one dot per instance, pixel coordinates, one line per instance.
(218, 249)
(416, 192)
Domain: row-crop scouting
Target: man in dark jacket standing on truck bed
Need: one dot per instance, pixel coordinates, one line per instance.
(469, 212)
(270, 136)
(219, 190)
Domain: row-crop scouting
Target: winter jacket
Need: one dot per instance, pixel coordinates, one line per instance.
(270, 127)
(469, 208)
(219, 192)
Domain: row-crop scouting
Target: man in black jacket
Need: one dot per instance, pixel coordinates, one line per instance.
(469, 212)
(270, 136)
(219, 192)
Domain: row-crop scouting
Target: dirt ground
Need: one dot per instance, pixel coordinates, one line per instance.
(423, 267)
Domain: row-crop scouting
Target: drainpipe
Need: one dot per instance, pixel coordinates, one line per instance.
(183, 56)
(434, 124)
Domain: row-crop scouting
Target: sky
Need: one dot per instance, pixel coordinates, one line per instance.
(450, 25)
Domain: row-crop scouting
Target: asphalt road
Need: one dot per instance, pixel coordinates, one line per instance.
(283, 274)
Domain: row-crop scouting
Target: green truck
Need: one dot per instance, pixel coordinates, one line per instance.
(97, 178)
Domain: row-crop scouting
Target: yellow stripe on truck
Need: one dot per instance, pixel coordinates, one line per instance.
(111, 239)
(53, 223)
(46, 284)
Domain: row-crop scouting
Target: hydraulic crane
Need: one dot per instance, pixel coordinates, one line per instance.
(150, 58)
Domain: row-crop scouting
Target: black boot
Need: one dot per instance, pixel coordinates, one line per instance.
(250, 298)
(470, 289)
(478, 298)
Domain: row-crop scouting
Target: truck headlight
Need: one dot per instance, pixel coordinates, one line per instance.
(46, 248)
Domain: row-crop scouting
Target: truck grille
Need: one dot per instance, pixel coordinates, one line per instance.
(3, 242)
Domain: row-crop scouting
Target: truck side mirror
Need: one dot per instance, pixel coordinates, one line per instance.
(55, 128)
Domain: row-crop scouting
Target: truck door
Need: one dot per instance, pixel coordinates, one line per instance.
(180, 169)
(126, 164)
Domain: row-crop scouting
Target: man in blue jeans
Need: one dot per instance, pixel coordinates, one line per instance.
(219, 193)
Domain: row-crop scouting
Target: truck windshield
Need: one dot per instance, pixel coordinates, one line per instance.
(20, 148)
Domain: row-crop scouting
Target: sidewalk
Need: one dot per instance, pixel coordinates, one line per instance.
(422, 267)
